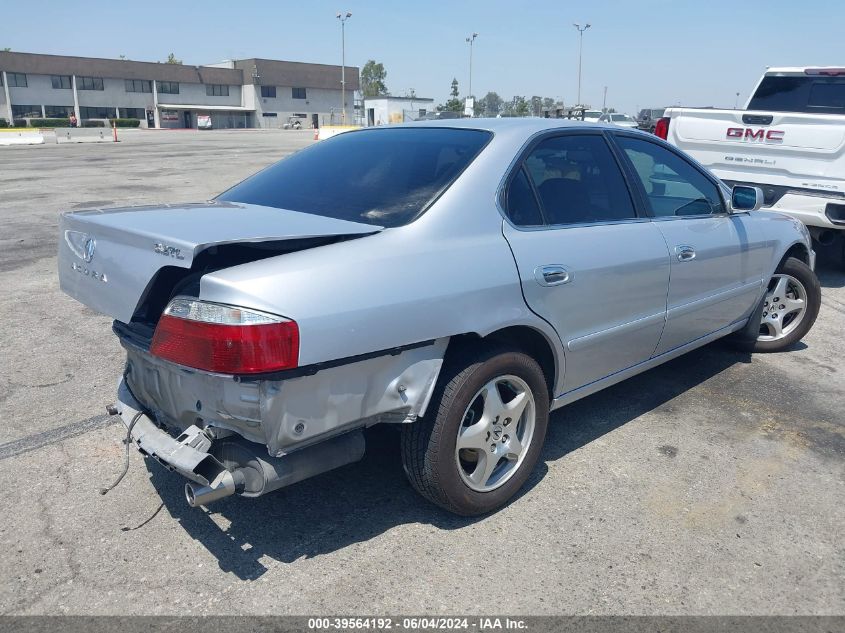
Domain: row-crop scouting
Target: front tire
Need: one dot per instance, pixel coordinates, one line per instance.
(789, 307)
(483, 432)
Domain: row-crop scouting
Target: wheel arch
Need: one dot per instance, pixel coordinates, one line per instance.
(525, 338)
(798, 250)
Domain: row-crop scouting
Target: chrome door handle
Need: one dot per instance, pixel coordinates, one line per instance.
(552, 275)
(685, 253)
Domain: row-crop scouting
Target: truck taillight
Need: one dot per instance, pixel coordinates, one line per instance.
(225, 339)
(661, 128)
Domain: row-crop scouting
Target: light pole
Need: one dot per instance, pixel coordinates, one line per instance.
(343, 18)
(470, 40)
(580, 51)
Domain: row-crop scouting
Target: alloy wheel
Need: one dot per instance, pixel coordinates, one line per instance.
(495, 433)
(784, 307)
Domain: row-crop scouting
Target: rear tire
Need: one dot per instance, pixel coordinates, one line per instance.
(787, 311)
(483, 431)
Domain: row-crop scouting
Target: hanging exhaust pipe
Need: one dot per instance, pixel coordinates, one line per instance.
(253, 475)
(224, 485)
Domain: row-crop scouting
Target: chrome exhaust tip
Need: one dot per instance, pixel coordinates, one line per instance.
(224, 485)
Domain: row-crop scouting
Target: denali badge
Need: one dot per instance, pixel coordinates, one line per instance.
(168, 251)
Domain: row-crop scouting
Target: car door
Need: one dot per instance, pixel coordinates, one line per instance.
(589, 264)
(717, 257)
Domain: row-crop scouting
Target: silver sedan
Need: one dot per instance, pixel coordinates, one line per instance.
(461, 279)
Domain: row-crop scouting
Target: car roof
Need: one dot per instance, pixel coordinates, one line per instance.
(508, 124)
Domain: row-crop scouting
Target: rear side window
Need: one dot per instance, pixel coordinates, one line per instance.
(823, 95)
(578, 180)
(673, 186)
(385, 177)
(523, 209)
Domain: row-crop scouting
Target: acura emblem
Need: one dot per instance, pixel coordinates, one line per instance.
(88, 249)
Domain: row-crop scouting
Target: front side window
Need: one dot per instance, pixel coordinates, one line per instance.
(268, 92)
(297, 93)
(216, 90)
(385, 177)
(673, 186)
(89, 83)
(61, 82)
(577, 180)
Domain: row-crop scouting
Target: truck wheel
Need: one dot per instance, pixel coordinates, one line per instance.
(790, 307)
(482, 433)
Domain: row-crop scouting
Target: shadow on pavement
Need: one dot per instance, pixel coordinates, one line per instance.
(830, 265)
(358, 502)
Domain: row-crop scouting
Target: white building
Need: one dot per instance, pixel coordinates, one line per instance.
(385, 110)
(238, 93)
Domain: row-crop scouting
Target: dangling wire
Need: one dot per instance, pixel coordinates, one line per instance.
(126, 443)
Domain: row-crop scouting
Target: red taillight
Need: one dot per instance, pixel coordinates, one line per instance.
(240, 348)
(661, 128)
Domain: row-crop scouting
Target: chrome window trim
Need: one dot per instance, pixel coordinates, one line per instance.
(516, 164)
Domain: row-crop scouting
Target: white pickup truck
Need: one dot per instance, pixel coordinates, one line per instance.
(789, 141)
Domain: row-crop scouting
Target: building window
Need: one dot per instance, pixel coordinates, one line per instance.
(26, 111)
(297, 93)
(216, 90)
(61, 82)
(96, 112)
(139, 85)
(132, 113)
(17, 80)
(268, 92)
(58, 112)
(168, 87)
(89, 83)
(270, 114)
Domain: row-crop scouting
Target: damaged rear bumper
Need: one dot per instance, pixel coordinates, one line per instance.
(221, 467)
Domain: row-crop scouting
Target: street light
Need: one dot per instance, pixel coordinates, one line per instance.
(470, 40)
(343, 18)
(580, 50)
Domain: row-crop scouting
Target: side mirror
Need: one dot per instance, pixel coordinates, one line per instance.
(744, 198)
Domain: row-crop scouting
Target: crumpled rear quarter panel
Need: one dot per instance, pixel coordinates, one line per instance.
(290, 413)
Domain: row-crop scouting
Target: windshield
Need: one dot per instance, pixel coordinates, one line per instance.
(592, 114)
(823, 95)
(385, 177)
(620, 117)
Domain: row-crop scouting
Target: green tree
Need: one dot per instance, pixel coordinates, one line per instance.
(454, 104)
(171, 59)
(372, 79)
(491, 104)
(518, 106)
(7, 50)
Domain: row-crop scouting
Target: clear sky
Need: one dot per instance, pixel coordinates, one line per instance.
(649, 53)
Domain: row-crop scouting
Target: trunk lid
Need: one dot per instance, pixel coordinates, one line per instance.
(108, 257)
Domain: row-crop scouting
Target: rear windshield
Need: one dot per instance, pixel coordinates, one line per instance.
(822, 95)
(386, 177)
